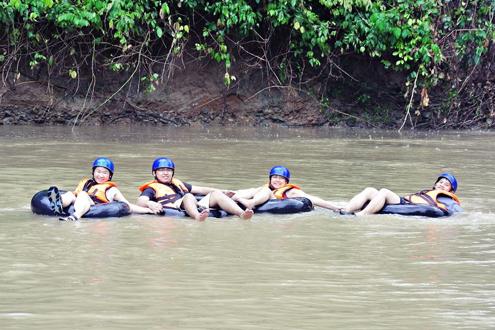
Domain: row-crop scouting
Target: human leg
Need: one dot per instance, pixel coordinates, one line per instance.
(260, 197)
(384, 196)
(357, 202)
(82, 203)
(220, 200)
(190, 205)
(68, 198)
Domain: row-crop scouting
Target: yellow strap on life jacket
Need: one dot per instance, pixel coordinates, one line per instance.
(430, 197)
(80, 186)
(97, 192)
(166, 193)
(281, 193)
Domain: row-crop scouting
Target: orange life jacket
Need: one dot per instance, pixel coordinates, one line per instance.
(281, 193)
(97, 191)
(166, 193)
(430, 197)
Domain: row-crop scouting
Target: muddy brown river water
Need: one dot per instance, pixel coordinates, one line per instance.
(315, 270)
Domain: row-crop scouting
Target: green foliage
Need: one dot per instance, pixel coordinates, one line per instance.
(37, 58)
(411, 36)
(150, 81)
(404, 34)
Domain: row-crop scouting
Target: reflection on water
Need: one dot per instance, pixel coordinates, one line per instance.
(303, 271)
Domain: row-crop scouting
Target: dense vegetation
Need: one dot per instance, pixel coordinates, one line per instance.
(442, 48)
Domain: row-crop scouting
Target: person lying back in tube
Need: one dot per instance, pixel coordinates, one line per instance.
(442, 195)
(166, 191)
(278, 187)
(97, 190)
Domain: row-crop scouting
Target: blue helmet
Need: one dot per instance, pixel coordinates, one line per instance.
(104, 162)
(162, 162)
(451, 178)
(280, 170)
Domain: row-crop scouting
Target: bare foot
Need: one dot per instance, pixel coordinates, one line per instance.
(202, 215)
(247, 214)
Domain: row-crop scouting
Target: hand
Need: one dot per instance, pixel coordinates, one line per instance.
(155, 207)
(154, 211)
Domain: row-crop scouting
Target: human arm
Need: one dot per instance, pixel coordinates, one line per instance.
(143, 209)
(242, 193)
(245, 193)
(317, 201)
(144, 201)
(253, 197)
(199, 190)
